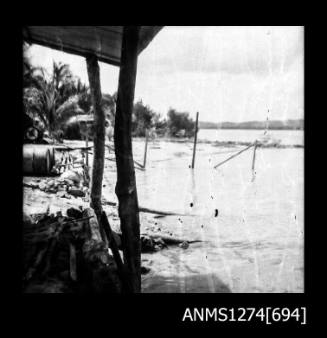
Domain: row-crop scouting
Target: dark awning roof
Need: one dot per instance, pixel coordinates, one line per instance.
(104, 41)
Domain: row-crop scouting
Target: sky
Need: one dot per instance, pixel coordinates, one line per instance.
(225, 73)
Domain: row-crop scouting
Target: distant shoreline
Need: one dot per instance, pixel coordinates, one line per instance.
(256, 125)
(242, 128)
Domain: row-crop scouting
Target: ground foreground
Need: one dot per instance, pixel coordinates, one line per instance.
(248, 229)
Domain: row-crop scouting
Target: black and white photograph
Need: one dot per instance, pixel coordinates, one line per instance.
(163, 159)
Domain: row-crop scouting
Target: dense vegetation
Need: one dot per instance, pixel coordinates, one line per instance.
(177, 124)
(180, 124)
(54, 101)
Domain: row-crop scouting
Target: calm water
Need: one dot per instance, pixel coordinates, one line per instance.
(287, 137)
(256, 242)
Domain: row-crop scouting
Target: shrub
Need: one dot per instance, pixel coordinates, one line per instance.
(179, 123)
(72, 131)
(160, 125)
(143, 118)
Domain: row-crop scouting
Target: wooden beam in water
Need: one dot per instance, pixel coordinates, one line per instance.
(229, 158)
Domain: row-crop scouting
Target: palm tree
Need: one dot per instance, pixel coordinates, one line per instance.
(54, 99)
(60, 74)
(31, 75)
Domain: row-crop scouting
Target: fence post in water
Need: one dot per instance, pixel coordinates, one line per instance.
(145, 147)
(195, 138)
(253, 159)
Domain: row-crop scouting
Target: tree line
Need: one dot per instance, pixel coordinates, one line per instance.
(53, 101)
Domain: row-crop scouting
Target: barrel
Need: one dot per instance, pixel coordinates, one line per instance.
(28, 153)
(37, 159)
(52, 157)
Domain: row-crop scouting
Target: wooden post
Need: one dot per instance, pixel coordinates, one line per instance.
(102, 278)
(115, 251)
(195, 138)
(145, 147)
(126, 183)
(99, 134)
(253, 159)
(87, 151)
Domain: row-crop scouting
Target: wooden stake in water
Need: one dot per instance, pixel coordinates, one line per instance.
(253, 160)
(195, 138)
(145, 147)
(229, 158)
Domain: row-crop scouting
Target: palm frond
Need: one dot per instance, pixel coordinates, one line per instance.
(68, 109)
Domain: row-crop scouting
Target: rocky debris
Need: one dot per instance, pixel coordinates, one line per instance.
(76, 192)
(63, 194)
(147, 244)
(155, 228)
(150, 244)
(70, 183)
(145, 270)
(66, 254)
(33, 185)
(159, 244)
(75, 176)
(75, 213)
(155, 242)
(184, 245)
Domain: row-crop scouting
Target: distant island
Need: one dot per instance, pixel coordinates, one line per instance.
(273, 124)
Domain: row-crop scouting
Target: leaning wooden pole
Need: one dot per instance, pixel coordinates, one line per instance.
(126, 183)
(195, 138)
(99, 134)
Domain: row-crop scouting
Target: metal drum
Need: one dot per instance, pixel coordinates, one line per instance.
(37, 159)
